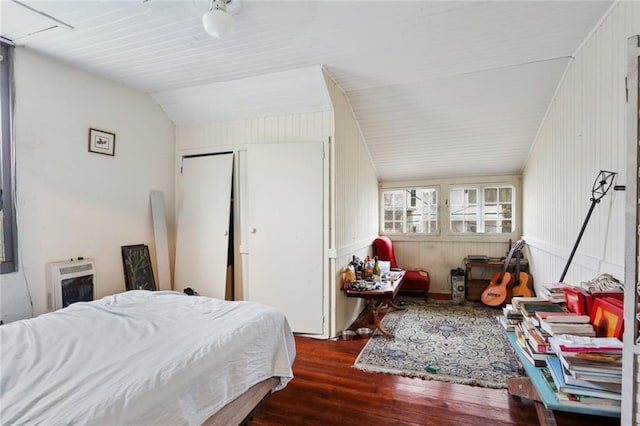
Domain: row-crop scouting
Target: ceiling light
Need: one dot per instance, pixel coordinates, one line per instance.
(217, 22)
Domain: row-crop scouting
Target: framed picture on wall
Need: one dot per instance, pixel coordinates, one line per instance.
(138, 274)
(102, 142)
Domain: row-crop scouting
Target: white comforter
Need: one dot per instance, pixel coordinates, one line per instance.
(139, 358)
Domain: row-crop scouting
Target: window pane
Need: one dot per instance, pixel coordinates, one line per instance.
(505, 210)
(463, 209)
(472, 196)
(491, 195)
(410, 210)
(393, 211)
(505, 194)
(482, 209)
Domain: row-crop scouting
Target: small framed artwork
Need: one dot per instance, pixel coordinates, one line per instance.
(607, 319)
(138, 274)
(102, 142)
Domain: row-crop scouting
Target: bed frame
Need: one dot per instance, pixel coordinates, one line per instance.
(239, 411)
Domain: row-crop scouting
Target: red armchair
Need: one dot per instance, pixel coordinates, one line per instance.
(413, 280)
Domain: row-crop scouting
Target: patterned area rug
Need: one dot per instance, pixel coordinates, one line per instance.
(441, 341)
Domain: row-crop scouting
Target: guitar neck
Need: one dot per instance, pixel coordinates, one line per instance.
(516, 248)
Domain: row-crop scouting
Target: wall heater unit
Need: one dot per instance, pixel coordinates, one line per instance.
(70, 282)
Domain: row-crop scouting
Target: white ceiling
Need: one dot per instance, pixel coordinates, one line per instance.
(440, 89)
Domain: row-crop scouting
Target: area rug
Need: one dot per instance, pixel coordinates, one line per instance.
(441, 341)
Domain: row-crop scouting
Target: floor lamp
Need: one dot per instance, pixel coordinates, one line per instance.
(601, 186)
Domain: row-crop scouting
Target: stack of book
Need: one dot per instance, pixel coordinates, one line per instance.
(510, 317)
(540, 320)
(554, 292)
(587, 370)
(534, 343)
(529, 309)
(518, 301)
(564, 323)
(533, 340)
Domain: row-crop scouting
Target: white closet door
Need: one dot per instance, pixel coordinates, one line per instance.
(285, 239)
(203, 224)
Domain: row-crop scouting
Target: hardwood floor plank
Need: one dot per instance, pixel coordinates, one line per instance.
(328, 390)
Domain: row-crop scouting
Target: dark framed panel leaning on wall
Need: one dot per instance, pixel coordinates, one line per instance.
(9, 237)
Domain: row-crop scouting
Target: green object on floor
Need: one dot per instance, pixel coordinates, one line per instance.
(431, 369)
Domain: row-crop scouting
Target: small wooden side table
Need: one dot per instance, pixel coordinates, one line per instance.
(379, 298)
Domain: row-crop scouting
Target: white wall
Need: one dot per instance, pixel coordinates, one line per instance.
(584, 132)
(356, 202)
(71, 202)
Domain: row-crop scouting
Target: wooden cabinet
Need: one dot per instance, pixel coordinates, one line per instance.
(478, 274)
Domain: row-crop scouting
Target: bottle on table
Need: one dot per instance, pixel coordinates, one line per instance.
(376, 270)
(368, 269)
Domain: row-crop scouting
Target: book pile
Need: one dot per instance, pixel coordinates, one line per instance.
(533, 340)
(564, 323)
(554, 292)
(587, 370)
(540, 320)
(510, 317)
(534, 343)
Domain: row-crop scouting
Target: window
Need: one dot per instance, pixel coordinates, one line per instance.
(410, 211)
(488, 209)
(8, 235)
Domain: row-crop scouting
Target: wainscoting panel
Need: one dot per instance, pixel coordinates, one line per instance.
(439, 257)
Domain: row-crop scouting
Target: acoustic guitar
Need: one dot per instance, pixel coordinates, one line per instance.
(522, 281)
(496, 293)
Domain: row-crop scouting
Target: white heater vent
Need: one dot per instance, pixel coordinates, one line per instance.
(70, 282)
(67, 270)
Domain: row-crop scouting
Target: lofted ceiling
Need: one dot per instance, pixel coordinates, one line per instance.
(439, 88)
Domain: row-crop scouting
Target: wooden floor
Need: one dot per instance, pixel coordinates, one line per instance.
(327, 390)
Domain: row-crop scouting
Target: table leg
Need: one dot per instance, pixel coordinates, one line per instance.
(371, 303)
(522, 387)
(394, 306)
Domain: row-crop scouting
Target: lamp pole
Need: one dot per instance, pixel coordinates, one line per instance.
(601, 186)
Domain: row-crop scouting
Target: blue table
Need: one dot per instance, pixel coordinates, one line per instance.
(536, 388)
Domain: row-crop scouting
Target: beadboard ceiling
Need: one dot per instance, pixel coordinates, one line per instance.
(439, 89)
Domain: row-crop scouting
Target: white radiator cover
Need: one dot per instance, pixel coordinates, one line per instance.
(69, 282)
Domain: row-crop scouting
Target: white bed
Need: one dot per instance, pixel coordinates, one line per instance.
(140, 358)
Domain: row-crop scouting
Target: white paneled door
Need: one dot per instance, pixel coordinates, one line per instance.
(202, 238)
(285, 199)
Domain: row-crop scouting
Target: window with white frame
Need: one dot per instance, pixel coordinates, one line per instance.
(409, 211)
(488, 209)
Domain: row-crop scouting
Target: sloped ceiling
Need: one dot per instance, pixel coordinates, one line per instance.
(440, 89)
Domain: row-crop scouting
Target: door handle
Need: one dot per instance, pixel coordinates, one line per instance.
(253, 230)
